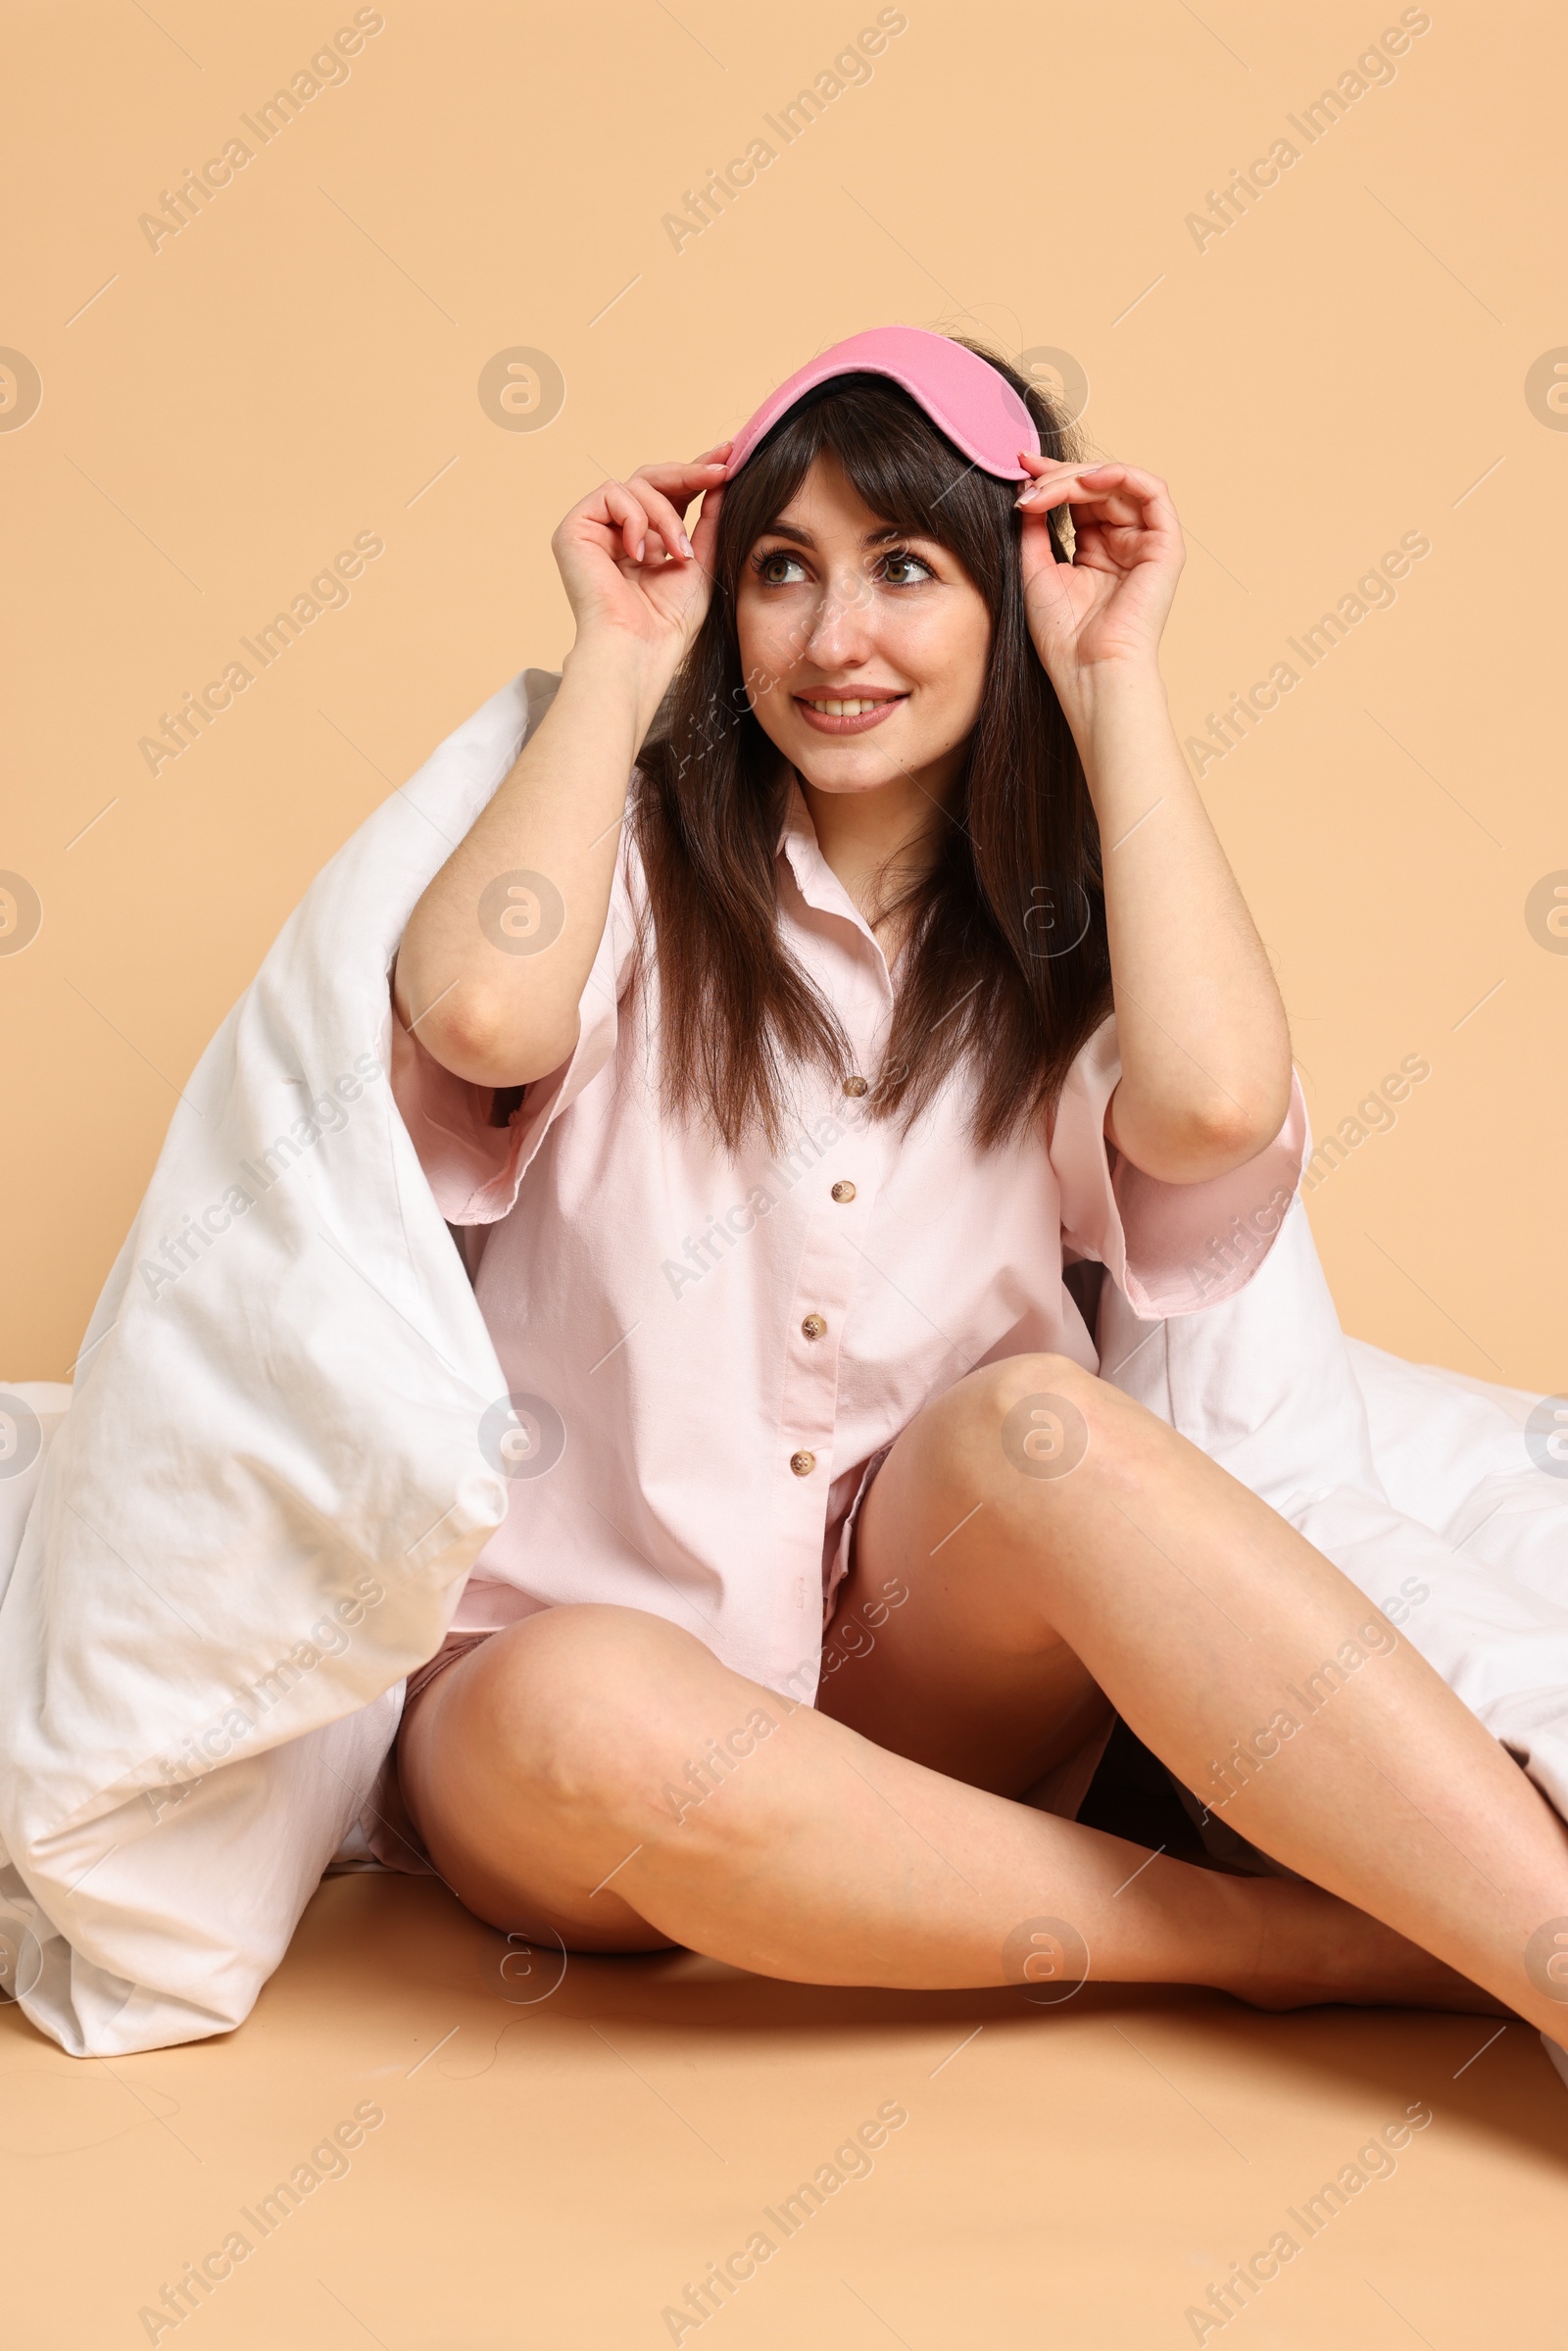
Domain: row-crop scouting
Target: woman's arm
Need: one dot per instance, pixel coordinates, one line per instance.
(491, 986)
(1206, 1051)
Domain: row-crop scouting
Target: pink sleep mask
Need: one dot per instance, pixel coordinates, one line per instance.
(962, 395)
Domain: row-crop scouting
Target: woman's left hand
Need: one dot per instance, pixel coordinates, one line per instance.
(1109, 605)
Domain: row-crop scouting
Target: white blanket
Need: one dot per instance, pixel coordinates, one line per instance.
(256, 1515)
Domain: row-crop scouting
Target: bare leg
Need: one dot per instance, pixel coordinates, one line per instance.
(823, 1856)
(814, 1856)
(817, 1856)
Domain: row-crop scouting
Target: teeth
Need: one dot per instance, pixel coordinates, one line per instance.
(844, 709)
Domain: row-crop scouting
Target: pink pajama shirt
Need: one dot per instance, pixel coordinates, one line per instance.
(703, 1354)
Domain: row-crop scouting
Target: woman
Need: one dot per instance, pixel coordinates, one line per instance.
(760, 1038)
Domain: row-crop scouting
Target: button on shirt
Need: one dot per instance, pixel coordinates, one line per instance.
(704, 1351)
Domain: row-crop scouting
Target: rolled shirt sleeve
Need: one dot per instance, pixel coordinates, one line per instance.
(1171, 1249)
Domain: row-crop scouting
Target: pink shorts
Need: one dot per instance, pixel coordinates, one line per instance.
(390, 1832)
(454, 1645)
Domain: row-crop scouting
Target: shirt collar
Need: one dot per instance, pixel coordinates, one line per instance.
(815, 877)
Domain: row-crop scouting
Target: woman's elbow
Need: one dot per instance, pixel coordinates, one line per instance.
(1202, 1140)
(480, 1038)
(1225, 1135)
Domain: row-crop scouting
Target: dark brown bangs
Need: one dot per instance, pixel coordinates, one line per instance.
(1006, 969)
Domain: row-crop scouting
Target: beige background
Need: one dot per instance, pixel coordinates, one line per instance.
(560, 2160)
(300, 365)
(301, 362)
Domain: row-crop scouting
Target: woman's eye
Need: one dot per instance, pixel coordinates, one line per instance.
(771, 575)
(901, 569)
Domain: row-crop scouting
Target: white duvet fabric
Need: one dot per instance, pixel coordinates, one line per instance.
(221, 1562)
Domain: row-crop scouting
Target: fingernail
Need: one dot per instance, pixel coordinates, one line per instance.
(685, 544)
(641, 544)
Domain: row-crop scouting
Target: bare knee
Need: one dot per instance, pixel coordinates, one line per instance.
(1040, 1418)
(610, 1720)
(582, 1707)
(1003, 1383)
(1019, 1392)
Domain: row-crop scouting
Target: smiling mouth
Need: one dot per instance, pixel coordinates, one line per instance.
(846, 714)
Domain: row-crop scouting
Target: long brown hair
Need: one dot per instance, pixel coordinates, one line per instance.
(1005, 965)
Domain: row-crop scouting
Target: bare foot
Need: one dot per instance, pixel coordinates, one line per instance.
(1317, 1949)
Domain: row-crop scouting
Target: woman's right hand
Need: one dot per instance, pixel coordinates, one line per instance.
(639, 589)
(629, 567)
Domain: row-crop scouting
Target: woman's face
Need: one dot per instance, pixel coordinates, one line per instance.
(835, 608)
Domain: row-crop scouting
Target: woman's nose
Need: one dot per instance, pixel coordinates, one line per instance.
(842, 627)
